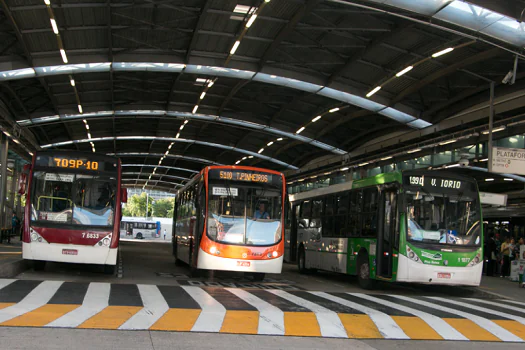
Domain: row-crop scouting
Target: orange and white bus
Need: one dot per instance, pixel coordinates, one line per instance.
(230, 218)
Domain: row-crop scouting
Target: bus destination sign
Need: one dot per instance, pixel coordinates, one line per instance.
(433, 182)
(73, 163)
(244, 176)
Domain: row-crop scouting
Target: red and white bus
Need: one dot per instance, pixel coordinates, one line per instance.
(230, 218)
(73, 209)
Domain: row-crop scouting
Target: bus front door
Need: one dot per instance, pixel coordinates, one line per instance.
(386, 234)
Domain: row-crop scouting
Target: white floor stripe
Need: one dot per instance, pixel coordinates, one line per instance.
(154, 307)
(484, 309)
(500, 304)
(488, 325)
(95, 300)
(38, 297)
(440, 326)
(5, 282)
(271, 318)
(514, 302)
(212, 314)
(388, 328)
(329, 323)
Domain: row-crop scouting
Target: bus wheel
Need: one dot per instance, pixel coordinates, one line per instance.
(301, 261)
(258, 276)
(39, 265)
(363, 272)
(109, 269)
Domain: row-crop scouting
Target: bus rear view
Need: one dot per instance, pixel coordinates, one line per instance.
(73, 209)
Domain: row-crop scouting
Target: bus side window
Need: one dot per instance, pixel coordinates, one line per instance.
(369, 216)
(354, 213)
(328, 217)
(317, 212)
(304, 218)
(340, 214)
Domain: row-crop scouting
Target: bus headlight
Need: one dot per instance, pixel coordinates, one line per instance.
(413, 256)
(106, 241)
(275, 254)
(213, 250)
(35, 237)
(475, 261)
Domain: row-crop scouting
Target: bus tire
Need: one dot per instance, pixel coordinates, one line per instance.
(301, 261)
(363, 272)
(258, 276)
(39, 265)
(109, 269)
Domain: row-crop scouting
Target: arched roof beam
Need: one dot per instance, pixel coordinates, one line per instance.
(157, 155)
(181, 115)
(469, 17)
(334, 92)
(171, 139)
(160, 166)
(162, 175)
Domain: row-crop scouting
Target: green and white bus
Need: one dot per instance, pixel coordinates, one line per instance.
(412, 226)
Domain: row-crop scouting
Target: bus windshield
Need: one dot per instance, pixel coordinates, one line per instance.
(244, 214)
(73, 199)
(443, 218)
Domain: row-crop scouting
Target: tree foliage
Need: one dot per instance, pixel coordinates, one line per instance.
(163, 208)
(136, 206)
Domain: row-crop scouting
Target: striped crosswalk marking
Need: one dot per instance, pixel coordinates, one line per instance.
(384, 323)
(488, 325)
(500, 304)
(329, 323)
(155, 306)
(95, 301)
(212, 314)
(5, 282)
(515, 302)
(436, 323)
(37, 298)
(271, 319)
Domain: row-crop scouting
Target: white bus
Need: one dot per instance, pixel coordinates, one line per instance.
(139, 229)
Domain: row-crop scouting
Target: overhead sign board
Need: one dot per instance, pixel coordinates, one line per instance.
(508, 160)
(493, 198)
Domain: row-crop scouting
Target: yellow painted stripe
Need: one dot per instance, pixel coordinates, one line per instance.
(177, 320)
(301, 324)
(4, 305)
(416, 328)
(471, 330)
(240, 322)
(41, 316)
(514, 327)
(359, 326)
(111, 317)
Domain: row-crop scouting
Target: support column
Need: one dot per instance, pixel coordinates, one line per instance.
(12, 190)
(491, 120)
(4, 145)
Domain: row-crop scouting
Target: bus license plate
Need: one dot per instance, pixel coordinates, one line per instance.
(69, 252)
(445, 275)
(243, 263)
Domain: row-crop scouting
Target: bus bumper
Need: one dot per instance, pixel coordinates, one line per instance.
(413, 272)
(211, 262)
(65, 253)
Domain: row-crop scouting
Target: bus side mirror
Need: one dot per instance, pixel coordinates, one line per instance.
(22, 181)
(123, 195)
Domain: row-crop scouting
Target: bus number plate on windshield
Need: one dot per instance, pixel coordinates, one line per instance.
(243, 263)
(69, 252)
(445, 275)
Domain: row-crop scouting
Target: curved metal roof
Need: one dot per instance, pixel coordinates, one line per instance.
(170, 86)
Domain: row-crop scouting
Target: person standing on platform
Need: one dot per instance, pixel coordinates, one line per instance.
(506, 252)
(14, 223)
(492, 255)
(164, 234)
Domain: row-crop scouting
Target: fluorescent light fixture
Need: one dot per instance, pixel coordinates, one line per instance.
(300, 130)
(167, 152)
(251, 20)
(489, 179)
(414, 150)
(447, 142)
(334, 110)
(344, 169)
(30, 153)
(280, 139)
(365, 163)
(63, 54)
(235, 46)
(484, 160)
(406, 70)
(80, 108)
(250, 157)
(386, 158)
(507, 179)
(452, 166)
(195, 109)
(54, 25)
(201, 80)
(47, 2)
(85, 121)
(87, 126)
(178, 135)
(237, 162)
(16, 140)
(210, 84)
(269, 143)
(182, 127)
(243, 158)
(89, 135)
(186, 121)
(513, 140)
(72, 81)
(203, 94)
(499, 128)
(169, 147)
(261, 151)
(374, 90)
(316, 119)
(442, 52)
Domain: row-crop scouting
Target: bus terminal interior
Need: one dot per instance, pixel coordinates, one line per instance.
(327, 92)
